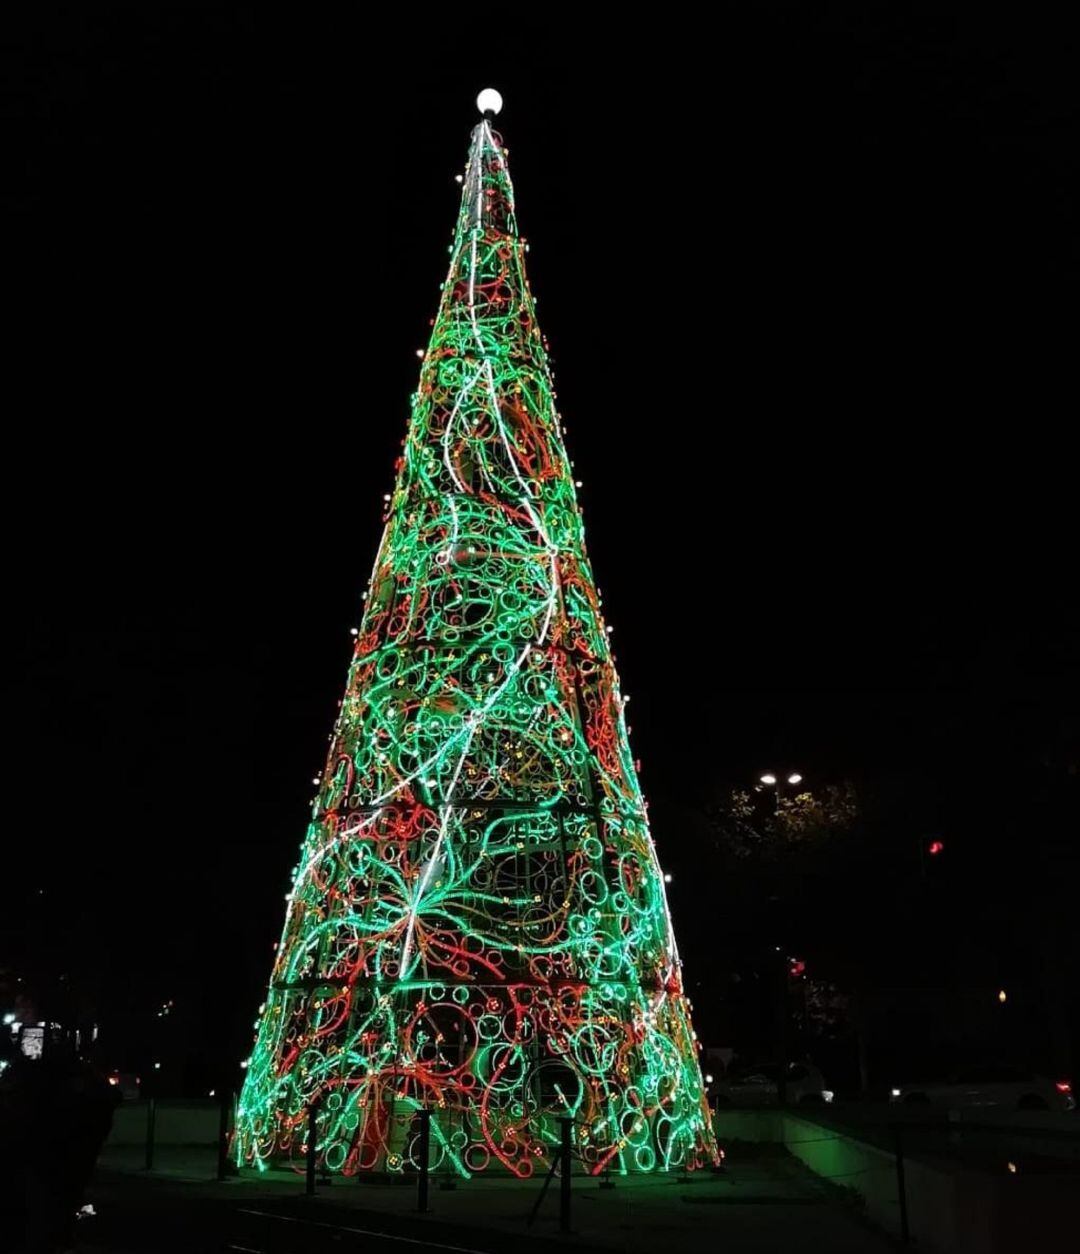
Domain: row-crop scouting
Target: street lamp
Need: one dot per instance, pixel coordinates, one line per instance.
(771, 780)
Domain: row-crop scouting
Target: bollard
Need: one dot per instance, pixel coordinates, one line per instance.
(564, 1178)
(901, 1190)
(223, 1136)
(309, 1186)
(425, 1146)
(151, 1117)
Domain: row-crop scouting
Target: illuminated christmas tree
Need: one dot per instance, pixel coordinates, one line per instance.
(478, 922)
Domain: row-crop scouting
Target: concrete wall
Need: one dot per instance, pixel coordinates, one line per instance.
(871, 1172)
(762, 1127)
(175, 1123)
(951, 1209)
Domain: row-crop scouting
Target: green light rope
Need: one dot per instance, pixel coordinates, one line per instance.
(478, 922)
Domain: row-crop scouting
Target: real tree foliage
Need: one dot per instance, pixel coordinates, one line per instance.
(815, 885)
(750, 824)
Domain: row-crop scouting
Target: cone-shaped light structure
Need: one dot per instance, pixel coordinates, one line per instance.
(478, 923)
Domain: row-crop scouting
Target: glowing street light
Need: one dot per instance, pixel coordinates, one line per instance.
(770, 780)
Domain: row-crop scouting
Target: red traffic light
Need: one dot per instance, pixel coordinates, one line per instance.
(935, 847)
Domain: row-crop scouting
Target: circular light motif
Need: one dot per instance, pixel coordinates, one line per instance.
(478, 925)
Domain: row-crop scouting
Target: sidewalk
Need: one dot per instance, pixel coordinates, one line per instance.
(760, 1206)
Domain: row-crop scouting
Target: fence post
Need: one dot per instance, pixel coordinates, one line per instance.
(309, 1184)
(425, 1147)
(901, 1190)
(224, 1111)
(564, 1178)
(151, 1117)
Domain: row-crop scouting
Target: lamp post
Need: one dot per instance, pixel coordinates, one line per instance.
(771, 780)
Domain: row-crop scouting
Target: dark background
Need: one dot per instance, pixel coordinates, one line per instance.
(808, 278)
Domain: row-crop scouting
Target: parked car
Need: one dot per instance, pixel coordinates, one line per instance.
(758, 1085)
(1011, 1088)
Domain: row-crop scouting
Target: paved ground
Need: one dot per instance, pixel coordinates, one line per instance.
(760, 1206)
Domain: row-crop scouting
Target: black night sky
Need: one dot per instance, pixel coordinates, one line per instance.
(808, 278)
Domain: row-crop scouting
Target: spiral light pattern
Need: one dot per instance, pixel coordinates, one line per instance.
(478, 922)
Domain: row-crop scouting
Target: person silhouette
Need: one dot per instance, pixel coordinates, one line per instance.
(55, 1113)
